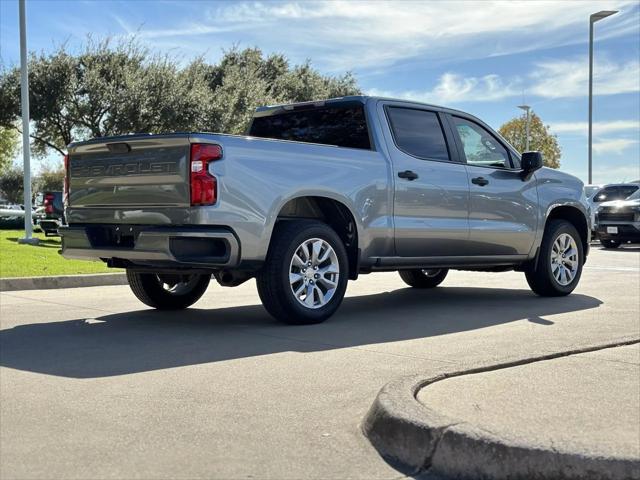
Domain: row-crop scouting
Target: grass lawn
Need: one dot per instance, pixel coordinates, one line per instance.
(18, 260)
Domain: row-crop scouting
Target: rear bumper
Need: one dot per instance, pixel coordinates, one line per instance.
(49, 224)
(153, 247)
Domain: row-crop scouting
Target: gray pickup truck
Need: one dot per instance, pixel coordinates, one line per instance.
(316, 194)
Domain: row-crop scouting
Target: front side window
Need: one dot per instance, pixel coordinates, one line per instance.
(480, 147)
(418, 133)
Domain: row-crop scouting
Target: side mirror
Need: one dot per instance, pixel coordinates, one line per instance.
(530, 161)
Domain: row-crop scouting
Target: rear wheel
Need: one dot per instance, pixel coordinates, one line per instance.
(167, 291)
(606, 243)
(560, 261)
(304, 278)
(424, 278)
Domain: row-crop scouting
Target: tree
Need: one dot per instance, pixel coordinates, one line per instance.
(246, 79)
(50, 179)
(539, 138)
(118, 88)
(8, 147)
(11, 186)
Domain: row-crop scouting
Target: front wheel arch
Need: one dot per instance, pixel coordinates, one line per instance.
(574, 216)
(540, 276)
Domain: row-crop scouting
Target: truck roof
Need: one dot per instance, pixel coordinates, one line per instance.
(347, 99)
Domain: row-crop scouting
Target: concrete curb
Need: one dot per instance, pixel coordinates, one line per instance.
(413, 438)
(63, 281)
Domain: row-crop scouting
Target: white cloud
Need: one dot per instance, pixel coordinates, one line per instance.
(569, 78)
(352, 35)
(454, 88)
(614, 174)
(607, 173)
(551, 79)
(613, 146)
(599, 128)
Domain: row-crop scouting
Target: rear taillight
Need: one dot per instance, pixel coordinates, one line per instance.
(48, 203)
(203, 184)
(65, 191)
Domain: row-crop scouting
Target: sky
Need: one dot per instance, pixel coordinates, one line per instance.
(482, 57)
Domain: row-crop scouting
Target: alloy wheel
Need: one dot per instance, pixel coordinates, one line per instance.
(314, 272)
(564, 259)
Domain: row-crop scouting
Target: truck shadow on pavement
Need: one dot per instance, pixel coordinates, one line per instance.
(146, 340)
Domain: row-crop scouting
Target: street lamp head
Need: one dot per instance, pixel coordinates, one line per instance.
(601, 14)
(526, 108)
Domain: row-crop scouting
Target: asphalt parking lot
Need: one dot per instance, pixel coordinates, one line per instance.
(95, 385)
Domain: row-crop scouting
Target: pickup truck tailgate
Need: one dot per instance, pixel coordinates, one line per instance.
(135, 171)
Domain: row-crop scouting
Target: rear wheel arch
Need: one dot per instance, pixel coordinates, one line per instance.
(334, 213)
(280, 279)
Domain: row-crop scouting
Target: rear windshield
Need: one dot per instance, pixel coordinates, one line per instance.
(343, 126)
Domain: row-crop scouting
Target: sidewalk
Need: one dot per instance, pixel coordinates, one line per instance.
(586, 404)
(569, 417)
(62, 281)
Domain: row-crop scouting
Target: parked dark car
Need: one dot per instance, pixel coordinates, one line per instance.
(50, 214)
(619, 221)
(11, 216)
(608, 193)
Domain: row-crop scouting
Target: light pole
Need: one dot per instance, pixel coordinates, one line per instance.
(24, 94)
(593, 19)
(527, 109)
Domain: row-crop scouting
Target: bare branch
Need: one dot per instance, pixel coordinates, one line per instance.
(41, 140)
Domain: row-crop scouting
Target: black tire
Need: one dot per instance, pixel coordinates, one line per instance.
(610, 244)
(427, 278)
(541, 279)
(149, 289)
(273, 279)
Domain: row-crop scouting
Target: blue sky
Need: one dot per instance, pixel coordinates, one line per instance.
(480, 56)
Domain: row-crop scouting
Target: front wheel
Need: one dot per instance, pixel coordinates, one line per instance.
(304, 278)
(606, 243)
(424, 278)
(167, 291)
(560, 261)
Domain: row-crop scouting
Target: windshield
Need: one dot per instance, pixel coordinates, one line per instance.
(617, 192)
(635, 195)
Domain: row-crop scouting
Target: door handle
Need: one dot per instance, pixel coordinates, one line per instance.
(408, 175)
(480, 181)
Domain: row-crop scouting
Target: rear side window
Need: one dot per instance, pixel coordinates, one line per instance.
(614, 193)
(418, 133)
(343, 126)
